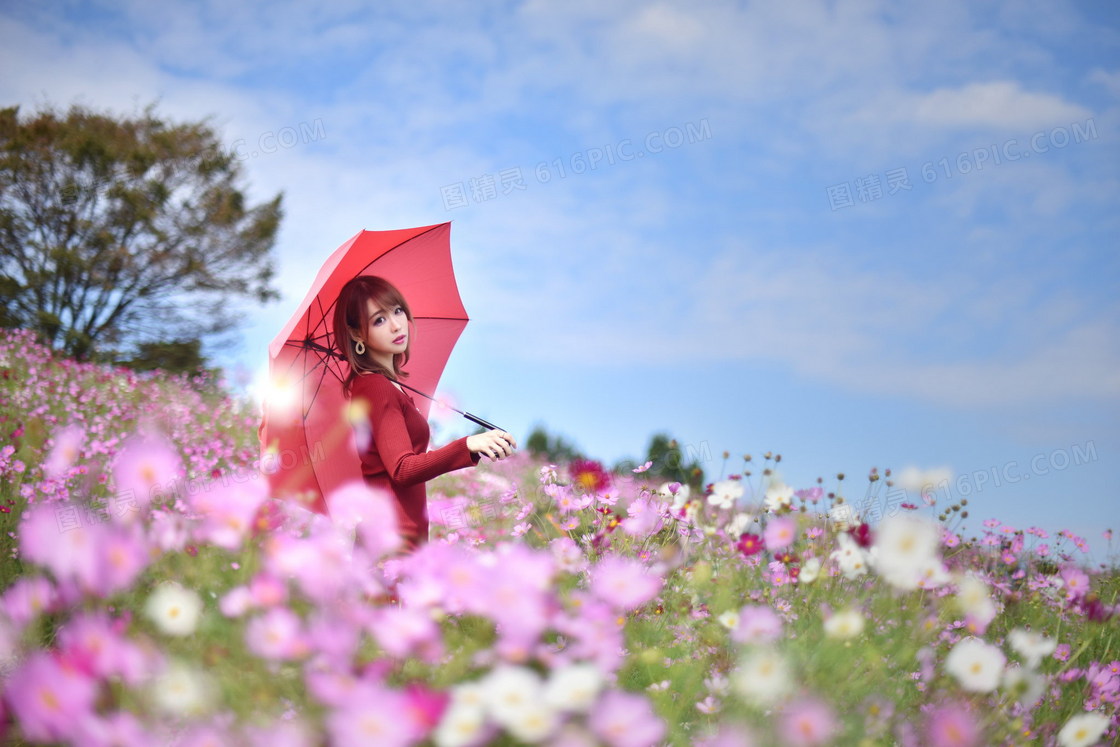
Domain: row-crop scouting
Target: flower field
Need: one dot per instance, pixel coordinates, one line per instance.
(153, 593)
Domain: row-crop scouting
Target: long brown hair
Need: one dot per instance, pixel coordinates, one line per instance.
(351, 314)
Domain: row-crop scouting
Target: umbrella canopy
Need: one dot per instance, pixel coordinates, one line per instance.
(308, 445)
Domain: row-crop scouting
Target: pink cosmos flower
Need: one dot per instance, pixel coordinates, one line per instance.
(67, 446)
(48, 537)
(757, 624)
(276, 635)
(404, 631)
(120, 729)
(624, 719)
(951, 725)
(624, 583)
(49, 698)
(226, 512)
(355, 507)
(644, 518)
(806, 723)
(372, 715)
(780, 532)
(95, 644)
(122, 555)
(1076, 582)
(147, 469)
(27, 598)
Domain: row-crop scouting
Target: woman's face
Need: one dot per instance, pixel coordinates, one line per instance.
(388, 333)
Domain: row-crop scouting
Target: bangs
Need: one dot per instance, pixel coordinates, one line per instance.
(352, 313)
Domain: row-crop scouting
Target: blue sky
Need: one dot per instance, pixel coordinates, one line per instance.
(858, 233)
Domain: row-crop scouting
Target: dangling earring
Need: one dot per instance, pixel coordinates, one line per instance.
(360, 347)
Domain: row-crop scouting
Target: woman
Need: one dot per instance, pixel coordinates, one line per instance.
(371, 329)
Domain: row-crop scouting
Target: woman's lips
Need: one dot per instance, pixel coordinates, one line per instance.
(400, 340)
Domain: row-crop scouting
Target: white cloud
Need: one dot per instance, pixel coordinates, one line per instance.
(997, 104)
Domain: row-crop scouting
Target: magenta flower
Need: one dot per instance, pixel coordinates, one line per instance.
(750, 544)
(589, 475)
(806, 723)
(780, 532)
(624, 583)
(624, 719)
(49, 698)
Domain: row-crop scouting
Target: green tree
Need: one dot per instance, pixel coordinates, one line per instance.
(553, 448)
(116, 232)
(671, 463)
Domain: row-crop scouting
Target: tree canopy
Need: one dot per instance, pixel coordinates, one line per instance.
(117, 233)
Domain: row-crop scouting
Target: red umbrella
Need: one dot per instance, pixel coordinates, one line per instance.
(308, 445)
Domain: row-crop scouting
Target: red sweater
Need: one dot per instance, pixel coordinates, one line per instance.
(398, 460)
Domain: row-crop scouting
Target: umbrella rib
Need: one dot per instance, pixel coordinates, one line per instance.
(393, 248)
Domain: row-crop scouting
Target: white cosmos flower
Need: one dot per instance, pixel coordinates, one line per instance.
(763, 677)
(573, 687)
(728, 619)
(1033, 647)
(852, 559)
(510, 689)
(933, 574)
(810, 569)
(460, 726)
(1082, 730)
(974, 600)
(905, 546)
(976, 665)
(532, 722)
(1025, 685)
(182, 690)
(778, 495)
(725, 493)
(844, 624)
(173, 609)
(679, 498)
(738, 525)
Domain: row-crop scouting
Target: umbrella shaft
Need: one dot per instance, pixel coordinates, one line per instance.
(467, 415)
(480, 421)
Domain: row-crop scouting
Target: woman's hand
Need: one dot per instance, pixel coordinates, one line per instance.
(494, 444)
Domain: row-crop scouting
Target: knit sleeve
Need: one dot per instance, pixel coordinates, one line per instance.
(391, 437)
